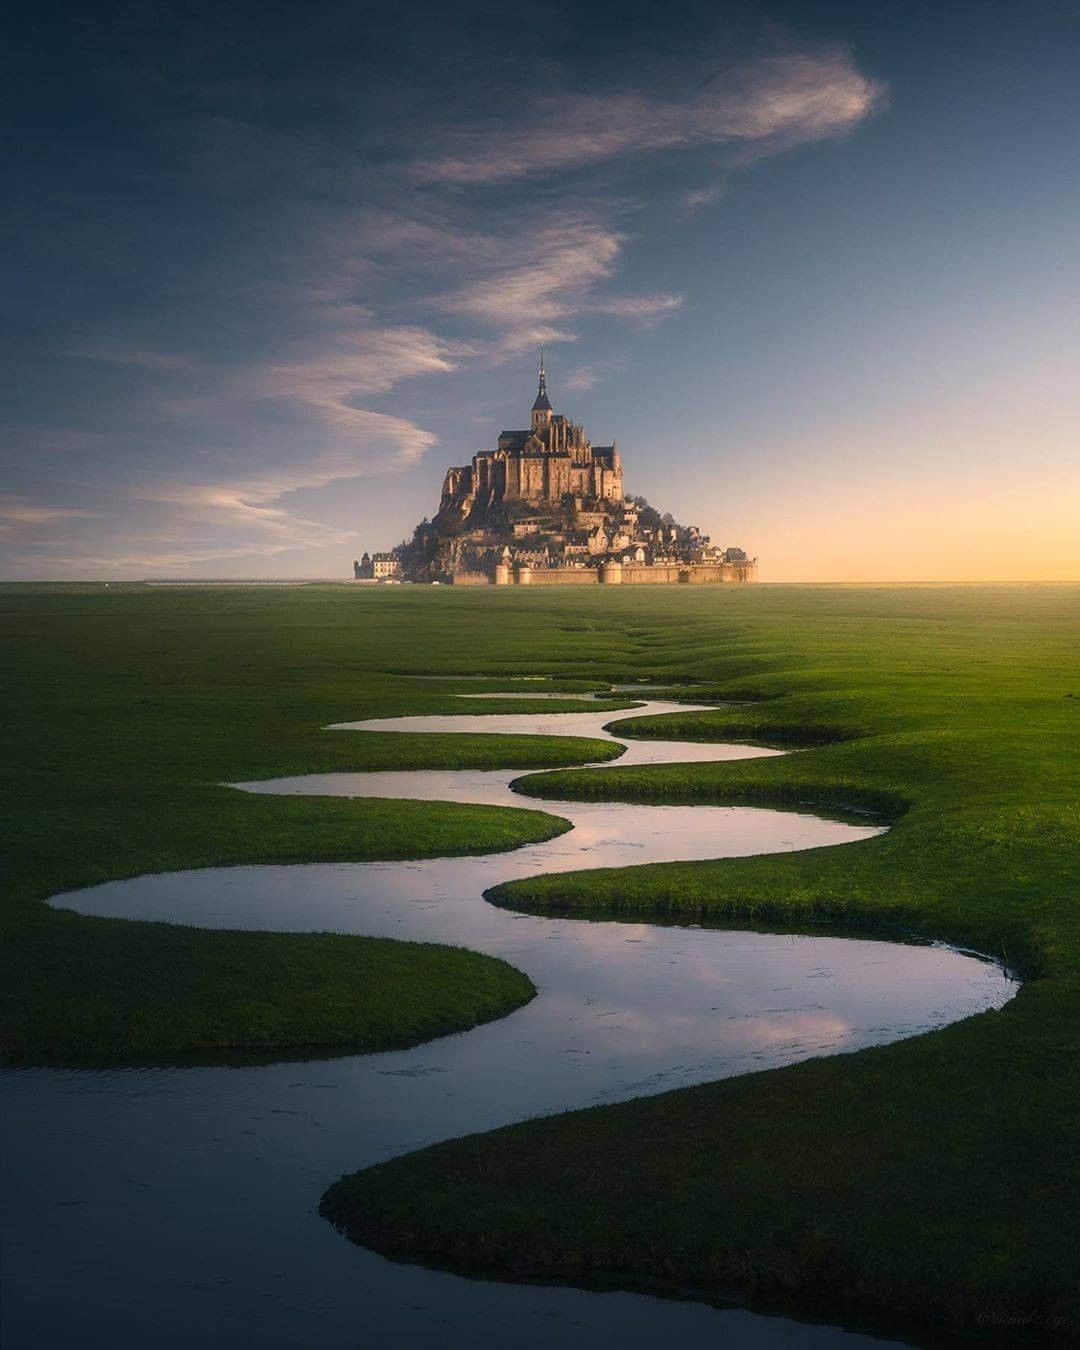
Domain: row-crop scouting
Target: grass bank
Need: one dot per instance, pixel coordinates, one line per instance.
(102, 992)
(936, 1178)
(124, 711)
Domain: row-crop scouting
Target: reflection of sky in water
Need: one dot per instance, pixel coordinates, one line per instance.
(583, 723)
(181, 1202)
(437, 899)
(532, 694)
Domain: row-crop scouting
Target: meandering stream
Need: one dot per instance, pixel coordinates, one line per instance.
(177, 1206)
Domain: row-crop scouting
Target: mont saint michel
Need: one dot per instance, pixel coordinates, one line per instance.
(547, 507)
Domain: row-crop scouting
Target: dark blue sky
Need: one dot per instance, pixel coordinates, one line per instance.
(272, 268)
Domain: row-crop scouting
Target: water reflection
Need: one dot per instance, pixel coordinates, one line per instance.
(586, 722)
(178, 1205)
(533, 694)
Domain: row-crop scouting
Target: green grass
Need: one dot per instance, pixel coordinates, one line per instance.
(937, 1178)
(124, 713)
(86, 995)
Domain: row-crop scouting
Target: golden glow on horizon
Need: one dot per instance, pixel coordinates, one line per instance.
(973, 495)
(945, 534)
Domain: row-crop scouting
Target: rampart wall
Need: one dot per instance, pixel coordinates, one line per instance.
(687, 574)
(563, 576)
(615, 574)
(471, 579)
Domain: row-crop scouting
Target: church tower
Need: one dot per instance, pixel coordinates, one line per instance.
(541, 409)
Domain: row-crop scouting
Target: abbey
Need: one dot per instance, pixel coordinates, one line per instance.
(541, 465)
(547, 507)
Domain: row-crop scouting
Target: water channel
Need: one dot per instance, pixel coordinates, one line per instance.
(177, 1206)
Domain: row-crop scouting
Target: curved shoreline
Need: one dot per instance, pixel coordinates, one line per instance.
(377, 1207)
(253, 896)
(954, 1154)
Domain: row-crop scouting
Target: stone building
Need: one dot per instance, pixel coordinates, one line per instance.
(378, 567)
(385, 566)
(540, 465)
(547, 507)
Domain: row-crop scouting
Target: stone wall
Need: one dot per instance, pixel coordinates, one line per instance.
(687, 574)
(616, 574)
(563, 576)
(471, 579)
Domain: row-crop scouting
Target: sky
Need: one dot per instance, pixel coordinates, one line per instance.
(271, 268)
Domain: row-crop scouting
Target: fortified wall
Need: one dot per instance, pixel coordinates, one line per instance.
(617, 574)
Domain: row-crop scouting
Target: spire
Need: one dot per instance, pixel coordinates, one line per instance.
(543, 403)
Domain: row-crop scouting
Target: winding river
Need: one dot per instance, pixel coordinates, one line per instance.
(177, 1206)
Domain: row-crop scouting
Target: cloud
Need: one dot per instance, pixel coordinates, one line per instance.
(324, 437)
(325, 383)
(584, 377)
(252, 500)
(528, 336)
(547, 277)
(553, 266)
(292, 427)
(703, 196)
(358, 364)
(259, 434)
(768, 104)
(589, 375)
(645, 308)
(171, 527)
(19, 513)
(242, 364)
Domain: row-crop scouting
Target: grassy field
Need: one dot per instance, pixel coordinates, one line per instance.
(124, 712)
(937, 1178)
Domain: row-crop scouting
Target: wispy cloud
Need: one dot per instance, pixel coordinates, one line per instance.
(771, 103)
(643, 308)
(203, 514)
(584, 377)
(695, 199)
(549, 277)
(357, 364)
(256, 500)
(356, 251)
(23, 514)
(387, 441)
(551, 269)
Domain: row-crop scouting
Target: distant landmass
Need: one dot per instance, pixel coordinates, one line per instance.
(547, 507)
